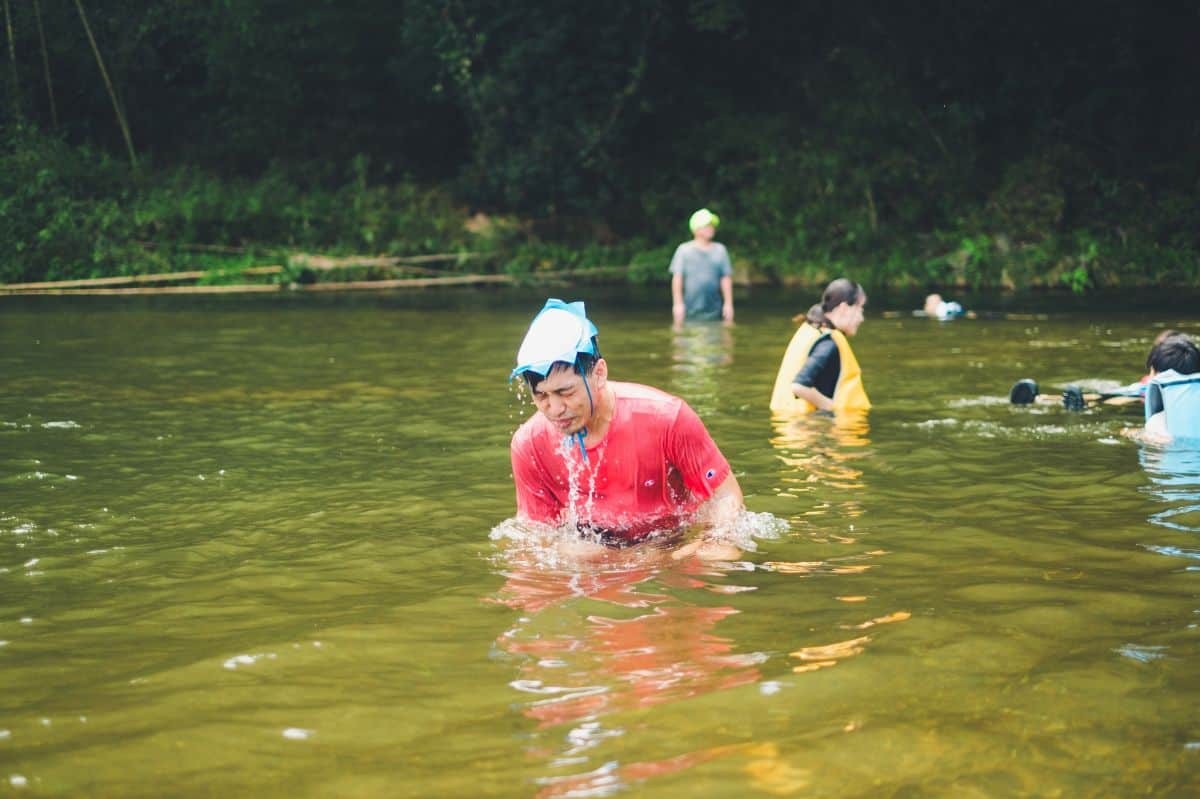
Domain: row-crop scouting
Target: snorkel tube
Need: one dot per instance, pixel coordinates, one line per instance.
(560, 334)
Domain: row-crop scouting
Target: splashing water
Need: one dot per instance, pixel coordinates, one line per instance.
(557, 546)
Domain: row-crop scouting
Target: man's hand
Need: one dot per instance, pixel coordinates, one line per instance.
(719, 513)
(707, 550)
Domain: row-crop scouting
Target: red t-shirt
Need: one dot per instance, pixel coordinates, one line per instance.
(655, 465)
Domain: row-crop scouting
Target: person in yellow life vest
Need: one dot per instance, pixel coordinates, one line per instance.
(819, 370)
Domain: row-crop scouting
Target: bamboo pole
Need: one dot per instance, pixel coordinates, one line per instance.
(163, 277)
(406, 283)
(237, 288)
(325, 262)
(112, 93)
(37, 15)
(262, 288)
(12, 58)
(92, 287)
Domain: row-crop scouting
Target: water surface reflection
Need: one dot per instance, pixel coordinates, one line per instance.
(699, 353)
(1174, 472)
(820, 456)
(598, 642)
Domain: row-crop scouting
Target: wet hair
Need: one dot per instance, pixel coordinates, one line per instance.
(585, 362)
(839, 291)
(1175, 351)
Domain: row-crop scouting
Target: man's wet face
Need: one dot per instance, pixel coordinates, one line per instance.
(562, 397)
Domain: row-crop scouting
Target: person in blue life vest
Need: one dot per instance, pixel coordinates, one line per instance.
(1173, 393)
(819, 371)
(701, 274)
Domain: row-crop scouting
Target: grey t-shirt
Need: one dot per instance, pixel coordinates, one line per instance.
(702, 269)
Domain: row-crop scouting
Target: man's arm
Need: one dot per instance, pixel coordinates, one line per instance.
(727, 296)
(721, 510)
(720, 513)
(677, 307)
(535, 500)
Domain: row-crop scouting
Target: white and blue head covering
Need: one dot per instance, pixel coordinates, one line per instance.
(558, 334)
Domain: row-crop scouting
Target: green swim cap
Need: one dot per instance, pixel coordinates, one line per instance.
(703, 217)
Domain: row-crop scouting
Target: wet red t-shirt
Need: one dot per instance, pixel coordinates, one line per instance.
(655, 465)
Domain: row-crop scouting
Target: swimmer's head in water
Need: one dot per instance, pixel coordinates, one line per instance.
(560, 335)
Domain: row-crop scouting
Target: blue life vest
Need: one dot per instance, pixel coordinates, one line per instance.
(1178, 396)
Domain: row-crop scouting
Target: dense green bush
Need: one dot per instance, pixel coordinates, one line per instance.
(806, 213)
(75, 212)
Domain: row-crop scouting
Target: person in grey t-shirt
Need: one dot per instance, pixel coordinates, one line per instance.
(701, 275)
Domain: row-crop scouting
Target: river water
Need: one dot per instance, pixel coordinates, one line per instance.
(259, 547)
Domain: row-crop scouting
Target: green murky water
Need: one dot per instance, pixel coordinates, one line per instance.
(245, 550)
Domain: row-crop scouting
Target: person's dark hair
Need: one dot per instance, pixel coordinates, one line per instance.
(839, 291)
(1176, 351)
(1158, 340)
(585, 362)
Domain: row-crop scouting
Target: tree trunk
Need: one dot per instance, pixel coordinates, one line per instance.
(112, 93)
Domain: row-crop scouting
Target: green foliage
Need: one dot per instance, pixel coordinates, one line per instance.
(1002, 147)
(73, 213)
(651, 265)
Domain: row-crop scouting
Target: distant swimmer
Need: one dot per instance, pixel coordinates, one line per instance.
(819, 370)
(1026, 391)
(943, 310)
(621, 462)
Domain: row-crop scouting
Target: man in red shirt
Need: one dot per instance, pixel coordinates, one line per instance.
(621, 462)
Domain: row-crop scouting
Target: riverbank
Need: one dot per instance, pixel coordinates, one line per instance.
(77, 214)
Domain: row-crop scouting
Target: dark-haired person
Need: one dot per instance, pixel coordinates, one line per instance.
(819, 370)
(1173, 393)
(621, 462)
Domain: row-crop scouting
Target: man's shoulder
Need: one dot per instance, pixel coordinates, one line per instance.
(639, 397)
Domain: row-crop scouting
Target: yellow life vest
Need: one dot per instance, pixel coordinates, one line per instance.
(849, 395)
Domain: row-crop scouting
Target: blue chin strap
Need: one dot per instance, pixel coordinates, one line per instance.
(581, 434)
